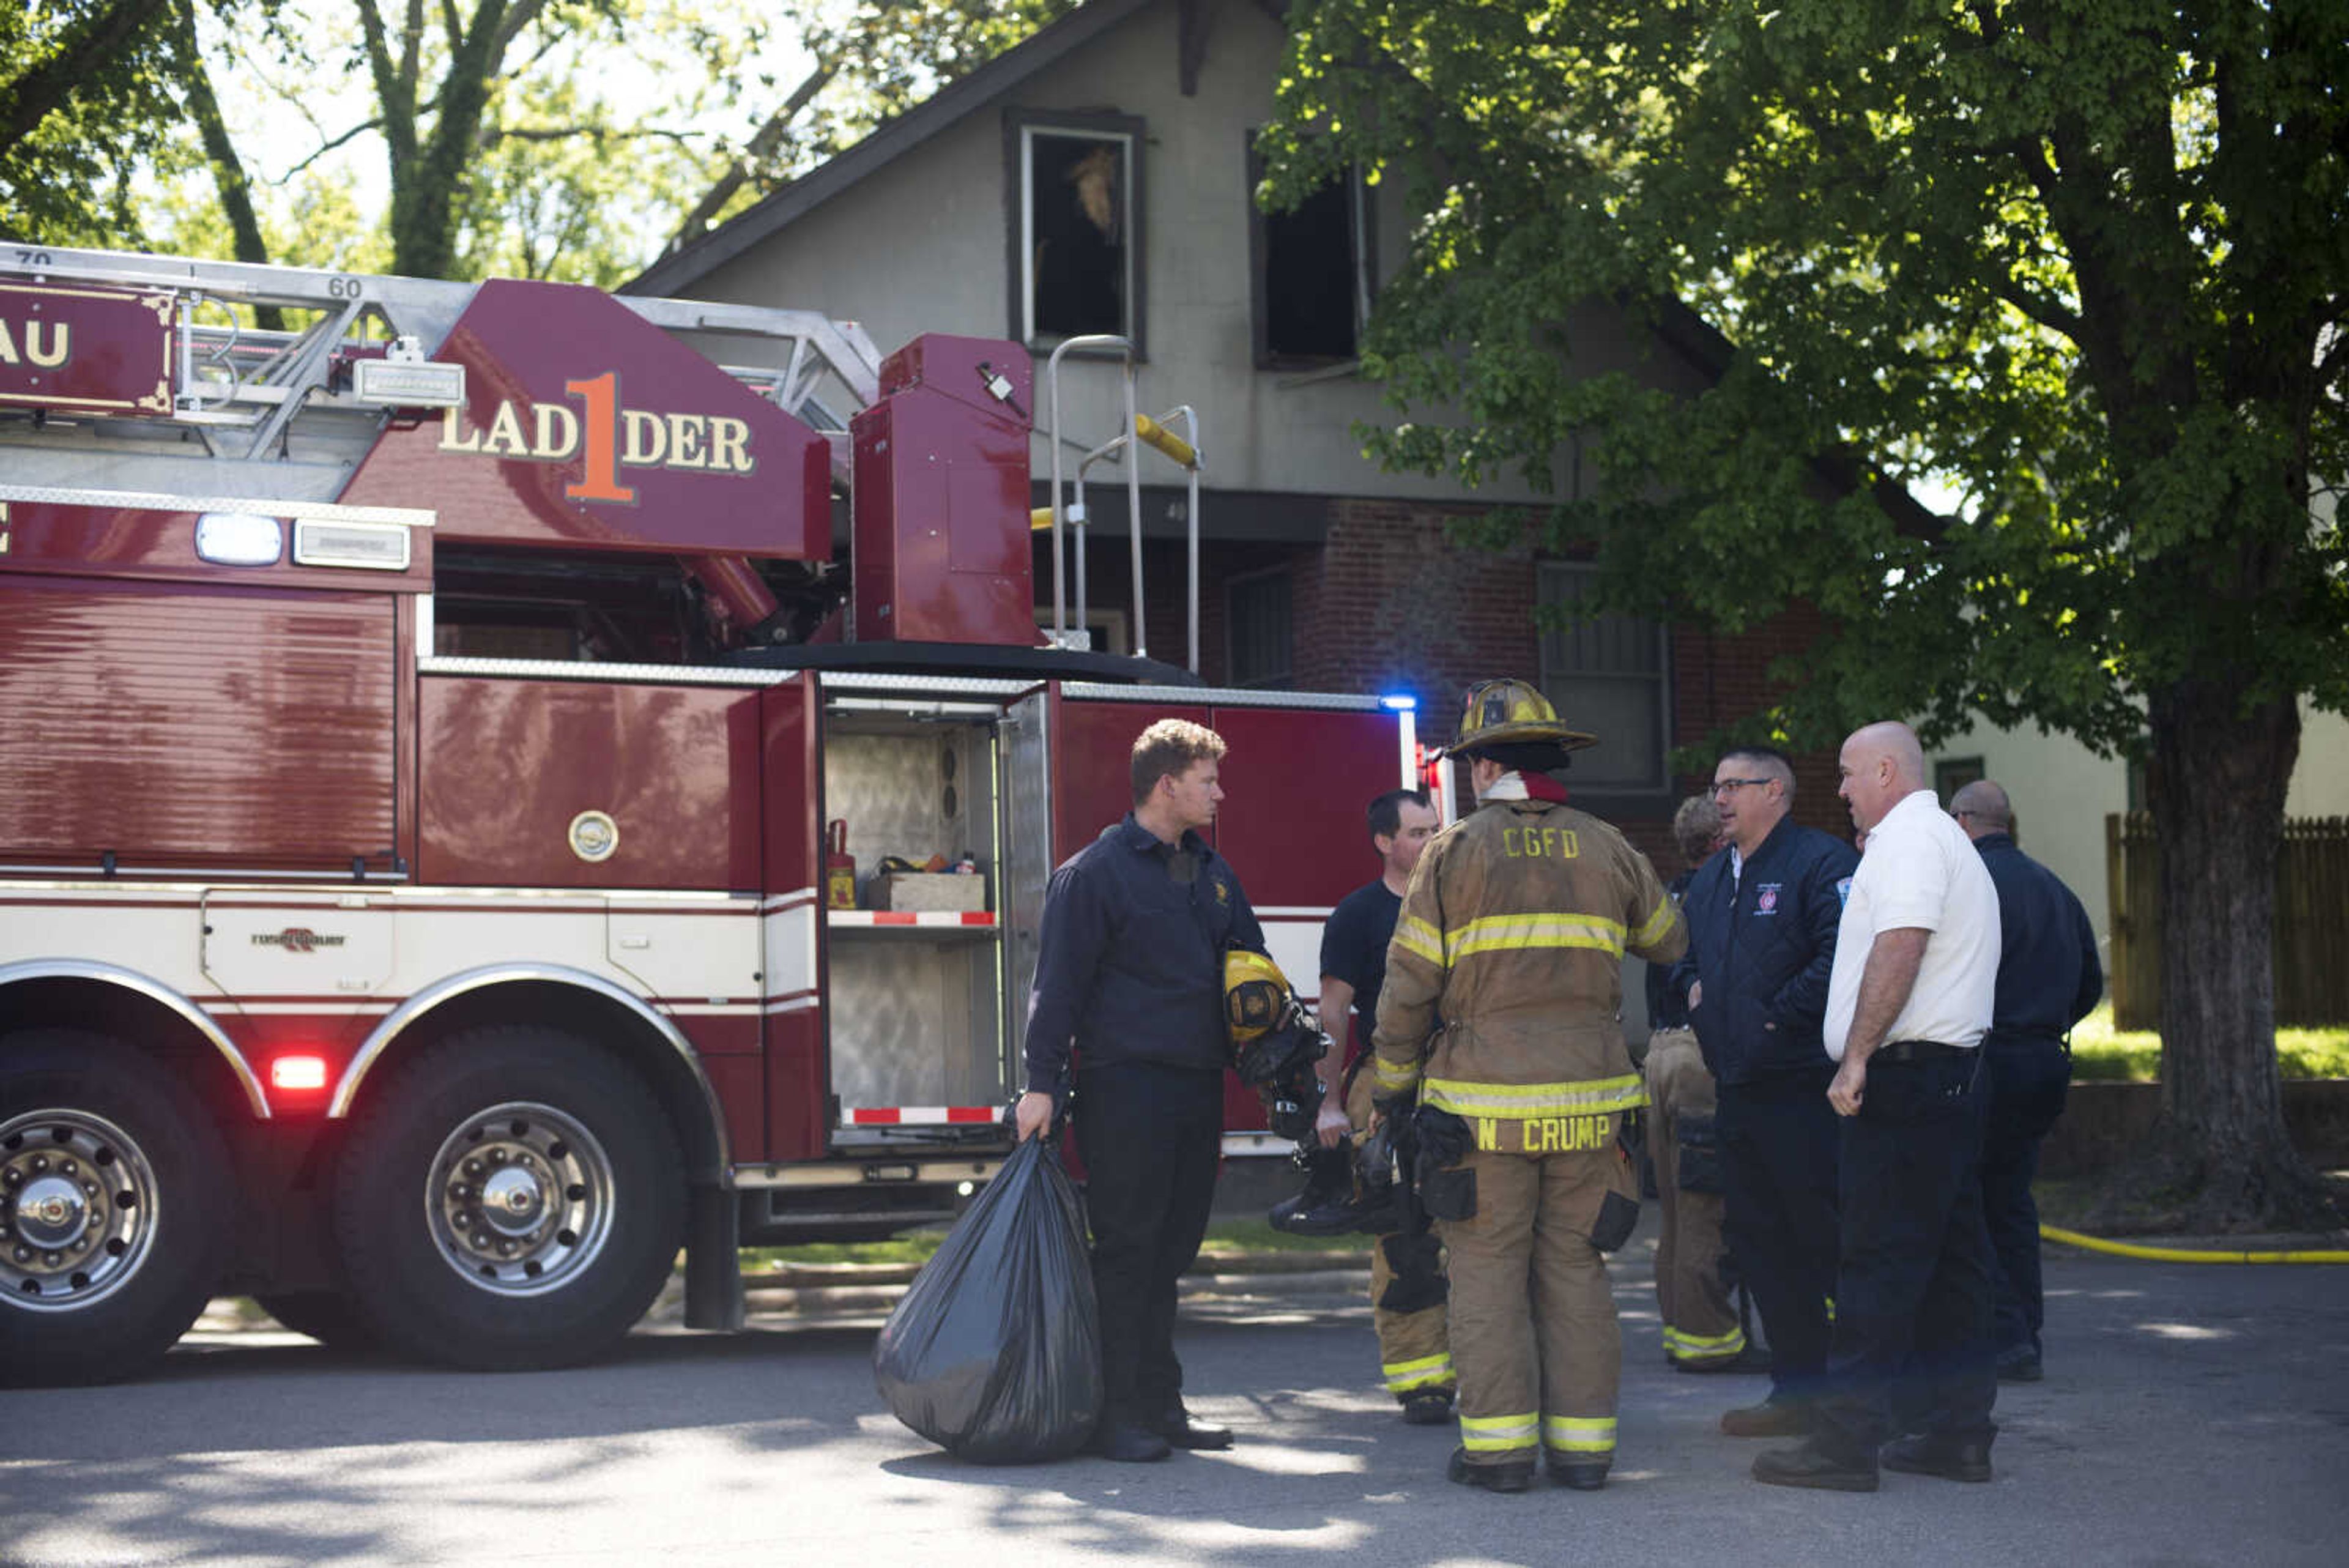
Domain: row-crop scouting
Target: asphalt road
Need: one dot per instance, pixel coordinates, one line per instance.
(2190, 1415)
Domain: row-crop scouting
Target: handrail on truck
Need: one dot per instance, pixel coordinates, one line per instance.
(1183, 450)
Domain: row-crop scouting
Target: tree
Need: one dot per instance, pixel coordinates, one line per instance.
(2086, 261)
(554, 138)
(83, 86)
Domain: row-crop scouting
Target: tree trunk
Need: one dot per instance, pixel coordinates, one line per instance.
(2218, 1158)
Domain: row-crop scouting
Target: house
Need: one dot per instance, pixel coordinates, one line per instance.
(1100, 178)
(2063, 793)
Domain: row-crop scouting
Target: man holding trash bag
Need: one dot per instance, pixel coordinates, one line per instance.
(1130, 977)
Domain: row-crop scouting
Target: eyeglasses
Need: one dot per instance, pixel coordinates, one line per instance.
(1731, 786)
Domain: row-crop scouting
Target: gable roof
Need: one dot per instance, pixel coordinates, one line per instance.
(675, 273)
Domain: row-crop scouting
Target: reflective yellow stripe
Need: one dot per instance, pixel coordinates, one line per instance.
(1704, 1346)
(1503, 933)
(1579, 1434)
(1521, 1101)
(1657, 924)
(1415, 936)
(1405, 1376)
(1394, 1077)
(1499, 1434)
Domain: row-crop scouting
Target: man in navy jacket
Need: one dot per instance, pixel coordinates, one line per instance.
(2049, 978)
(1761, 921)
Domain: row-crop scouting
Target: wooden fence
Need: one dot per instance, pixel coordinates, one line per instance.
(2312, 921)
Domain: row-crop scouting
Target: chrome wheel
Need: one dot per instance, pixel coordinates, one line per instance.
(520, 1198)
(77, 1210)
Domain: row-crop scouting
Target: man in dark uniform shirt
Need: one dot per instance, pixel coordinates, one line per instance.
(1130, 975)
(2049, 978)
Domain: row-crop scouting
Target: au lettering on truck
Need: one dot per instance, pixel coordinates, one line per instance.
(609, 437)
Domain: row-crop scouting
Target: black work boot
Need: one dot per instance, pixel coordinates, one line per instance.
(1427, 1408)
(1326, 1206)
(1935, 1454)
(1812, 1466)
(1509, 1474)
(1582, 1472)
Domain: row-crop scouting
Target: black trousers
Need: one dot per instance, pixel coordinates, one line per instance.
(1912, 1321)
(1778, 1145)
(2028, 1081)
(1151, 1138)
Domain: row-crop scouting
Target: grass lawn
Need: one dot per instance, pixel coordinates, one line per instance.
(2101, 1053)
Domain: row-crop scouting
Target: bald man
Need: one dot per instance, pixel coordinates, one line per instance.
(1908, 1003)
(2048, 980)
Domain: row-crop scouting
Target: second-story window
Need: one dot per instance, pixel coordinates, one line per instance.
(1312, 275)
(1076, 219)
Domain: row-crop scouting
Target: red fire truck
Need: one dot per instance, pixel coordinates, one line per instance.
(422, 728)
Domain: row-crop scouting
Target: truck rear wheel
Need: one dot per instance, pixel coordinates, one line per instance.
(512, 1200)
(113, 1203)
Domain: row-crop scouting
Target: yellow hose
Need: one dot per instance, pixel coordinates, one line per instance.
(2184, 1255)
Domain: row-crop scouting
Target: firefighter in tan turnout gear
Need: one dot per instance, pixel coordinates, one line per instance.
(1499, 1018)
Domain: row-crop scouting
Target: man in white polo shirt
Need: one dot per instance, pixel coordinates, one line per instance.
(1916, 969)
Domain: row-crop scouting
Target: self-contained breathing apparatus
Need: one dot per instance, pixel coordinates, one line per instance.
(1274, 1043)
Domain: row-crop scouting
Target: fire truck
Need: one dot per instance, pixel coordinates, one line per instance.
(436, 721)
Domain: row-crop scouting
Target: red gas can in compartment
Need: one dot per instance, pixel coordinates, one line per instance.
(838, 870)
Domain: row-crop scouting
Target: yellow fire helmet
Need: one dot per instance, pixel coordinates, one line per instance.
(1501, 713)
(1256, 994)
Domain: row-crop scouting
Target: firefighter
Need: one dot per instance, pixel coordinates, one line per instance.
(1407, 1287)
(1500, 1018)
(1703, 1331)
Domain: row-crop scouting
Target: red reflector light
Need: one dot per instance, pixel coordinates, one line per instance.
(297, 1073)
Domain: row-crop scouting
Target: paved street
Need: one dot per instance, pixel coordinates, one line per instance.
(2192, 1415)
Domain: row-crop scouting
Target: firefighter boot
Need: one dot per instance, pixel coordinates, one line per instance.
(1337, 1210)
(1509, 1474)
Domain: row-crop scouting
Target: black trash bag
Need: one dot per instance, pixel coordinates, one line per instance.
(994, 1353)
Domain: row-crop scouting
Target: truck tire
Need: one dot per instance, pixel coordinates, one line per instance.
(512, 1200)
(326, 1316)
(114, 1193)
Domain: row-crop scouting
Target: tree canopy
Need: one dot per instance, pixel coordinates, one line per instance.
(571, 139)
(2085, 263)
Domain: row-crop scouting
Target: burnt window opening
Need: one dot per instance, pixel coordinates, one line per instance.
(1311, 303)
(1312, 266)
(1077, 265)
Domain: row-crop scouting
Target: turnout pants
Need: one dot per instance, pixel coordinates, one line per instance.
(1912, 1324)
(1407, 1292)
(1150, 1136)
(2029, 1078)
(1778, 1144)
(1534, 1331)
(1700, 1319)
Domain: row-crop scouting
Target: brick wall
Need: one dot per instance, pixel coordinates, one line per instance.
(1387, 603)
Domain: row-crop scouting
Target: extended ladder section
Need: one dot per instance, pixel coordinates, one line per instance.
(302, 405)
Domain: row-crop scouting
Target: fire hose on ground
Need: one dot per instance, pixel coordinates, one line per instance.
(2183, 1254)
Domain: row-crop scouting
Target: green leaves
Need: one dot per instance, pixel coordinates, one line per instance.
(2085, 260)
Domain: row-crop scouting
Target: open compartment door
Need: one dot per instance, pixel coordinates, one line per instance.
(1025, 792)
